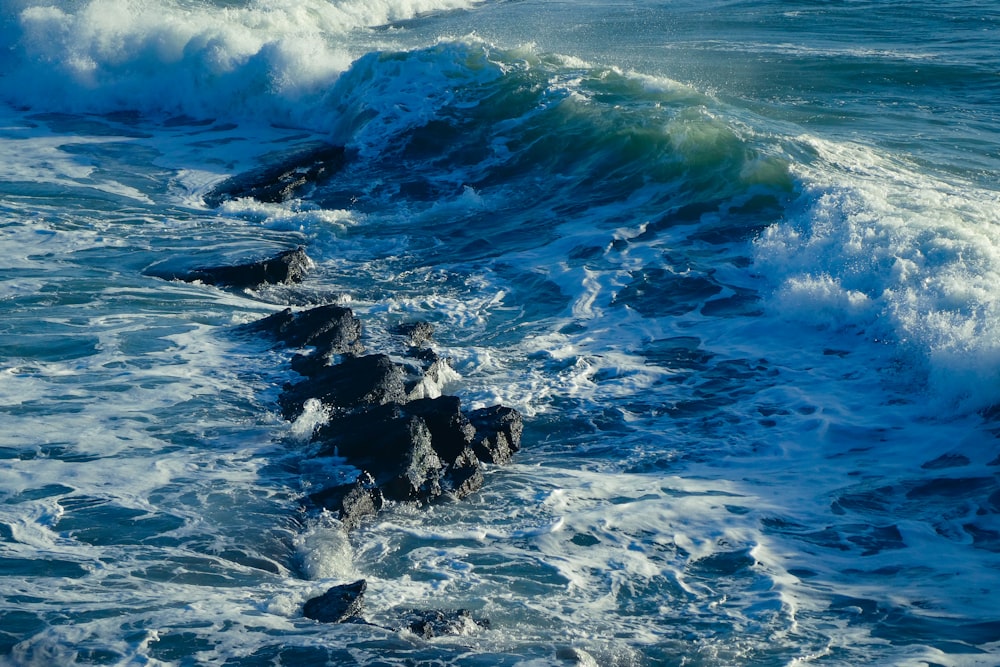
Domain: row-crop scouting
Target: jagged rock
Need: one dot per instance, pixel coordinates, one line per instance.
(284, 180)
(417, 334)
(465, 476)
(340, 604)
(451, 430)
(428, 375)
(355, 382)
(498, 433)
(395, 447)
(353, 502)
(286, 267)
(331, 329)
(435, 623)
(420, 476)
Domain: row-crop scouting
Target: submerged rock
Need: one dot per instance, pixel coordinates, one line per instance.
(284, 268)
(284, 180)
(340, 604)
(435, 623)
(417, 334)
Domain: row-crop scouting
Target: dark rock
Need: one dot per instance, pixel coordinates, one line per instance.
(356, 381)
(417, 334)
(353, 502)
(309, 365)
(435, 623)
(420, 475)
(284, 268)
(498, 433)
(395, 447)
(428, 375)
(330, 329)
(340, 604)
(465, 476)
(283, 180)
(451, 430)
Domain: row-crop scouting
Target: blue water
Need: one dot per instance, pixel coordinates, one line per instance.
(736, 263)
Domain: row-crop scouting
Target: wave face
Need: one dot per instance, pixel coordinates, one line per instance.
(735, 267)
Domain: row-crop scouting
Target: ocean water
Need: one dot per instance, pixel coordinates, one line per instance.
(736, 262)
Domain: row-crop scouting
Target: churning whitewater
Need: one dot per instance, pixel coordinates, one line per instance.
(734, 264)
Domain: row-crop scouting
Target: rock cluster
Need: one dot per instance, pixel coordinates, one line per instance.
(410, 447)
(385, 417)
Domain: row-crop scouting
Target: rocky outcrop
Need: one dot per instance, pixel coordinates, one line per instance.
(284, 268)
(330, 329)
(340, 604)
(411, 446)
(384, 414)
(284, 179)
(436, 623)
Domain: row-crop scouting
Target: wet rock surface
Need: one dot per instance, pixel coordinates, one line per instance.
(340, 604)
(288, 267)
(283, 180)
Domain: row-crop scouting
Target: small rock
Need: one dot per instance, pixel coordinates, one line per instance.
(465, 476)
(340, 604)
(353, 502)
(417, 334)
(284, 268)
(435, 623)
(498, 433)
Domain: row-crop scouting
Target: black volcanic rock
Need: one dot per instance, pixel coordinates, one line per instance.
(417, 334)
(340, 604)
(283, 180)
(395, 447)
(352, 502)
(498, 433)
(465, 476)
(331, 329)
(284, 268)
(356, 381)
(419, 476)
(451, 430)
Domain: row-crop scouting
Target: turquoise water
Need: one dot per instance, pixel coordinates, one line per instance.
(734, 262)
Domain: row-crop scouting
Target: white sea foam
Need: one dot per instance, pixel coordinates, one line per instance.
(903, 256)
